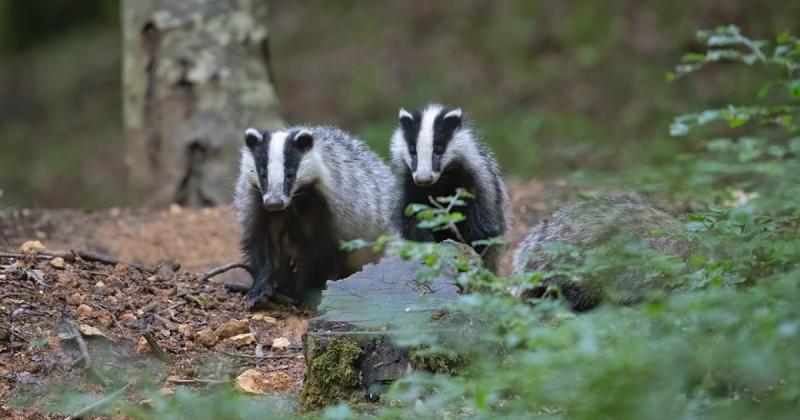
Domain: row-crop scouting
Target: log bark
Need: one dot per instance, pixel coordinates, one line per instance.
(196, 73)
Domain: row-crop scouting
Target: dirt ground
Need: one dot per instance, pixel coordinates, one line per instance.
(154, 317)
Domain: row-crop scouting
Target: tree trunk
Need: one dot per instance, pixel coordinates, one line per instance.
(196, 75)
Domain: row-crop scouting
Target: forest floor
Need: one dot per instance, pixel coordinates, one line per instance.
(78, 324)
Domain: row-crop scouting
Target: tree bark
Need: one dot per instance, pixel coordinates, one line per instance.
(196, 73)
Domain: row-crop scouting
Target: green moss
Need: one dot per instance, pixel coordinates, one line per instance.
(332, 376)
(435, 361)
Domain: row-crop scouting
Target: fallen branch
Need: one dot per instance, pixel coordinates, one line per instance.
(223, 268)
(156, 348)
(196, 381)
(75, 255)
(99, 403)
(259, 358)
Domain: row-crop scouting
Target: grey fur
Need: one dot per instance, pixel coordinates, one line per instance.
(355, 182)
(592, 222)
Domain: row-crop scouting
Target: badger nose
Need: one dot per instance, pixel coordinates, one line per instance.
(423, 180)
(275, 203)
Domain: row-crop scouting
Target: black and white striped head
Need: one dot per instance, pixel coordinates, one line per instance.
(427, 142)
(279, 163)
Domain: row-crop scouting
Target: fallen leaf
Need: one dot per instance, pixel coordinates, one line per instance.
(91, 331)
(29, 246)
(143, 347)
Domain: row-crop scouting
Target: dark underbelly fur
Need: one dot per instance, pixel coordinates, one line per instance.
(478, 222)
(294, 251)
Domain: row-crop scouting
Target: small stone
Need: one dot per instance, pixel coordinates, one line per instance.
(166, 391)
(264, 317)
(29, 246)
(242, 339)
(127, 317)
(90, 331)
(185, 330)
(207, 337)
(143, 347)
(75, 299)
(99, 284)
(114, 212)
(233, 327)
(175, 209)
(280, 343)
(40, 235)
(57, 262)
(3, 277)
(84, 310)
(254, 381)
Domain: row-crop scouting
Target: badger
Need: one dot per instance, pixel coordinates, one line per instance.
(302, 191)
(591, 223)
(435, 152)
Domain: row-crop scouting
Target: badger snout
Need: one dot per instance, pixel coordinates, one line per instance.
(425, 179)
(274, 202)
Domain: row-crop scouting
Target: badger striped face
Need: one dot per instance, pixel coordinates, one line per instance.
(277, 159)
(426, 136)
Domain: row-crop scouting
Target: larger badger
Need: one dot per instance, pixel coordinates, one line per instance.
(435, 152)
(300, 192)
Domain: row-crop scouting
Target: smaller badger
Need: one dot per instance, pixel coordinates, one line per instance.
(300, 192)
(435, 152)
(594, 222)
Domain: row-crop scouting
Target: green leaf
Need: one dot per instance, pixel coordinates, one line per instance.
(783, 37)
(38, 342)
(694, 57)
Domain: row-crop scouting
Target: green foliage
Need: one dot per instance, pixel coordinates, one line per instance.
(719, 341)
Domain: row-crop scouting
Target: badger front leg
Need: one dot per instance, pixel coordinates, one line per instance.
(256, 249)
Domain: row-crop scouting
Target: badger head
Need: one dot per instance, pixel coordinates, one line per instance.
(279, 163)
(423, 141)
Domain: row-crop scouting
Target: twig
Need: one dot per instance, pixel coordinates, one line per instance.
(167, 323)
(223, 268)
(197, 381)
(259, 358)
(99, 403)
(450, 224)
(87, 360)
(156, 348)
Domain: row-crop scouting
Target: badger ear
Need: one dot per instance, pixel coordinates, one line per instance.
(303, 139)
(252, 137)
(452, 119)
(405, 115)
(454, 115)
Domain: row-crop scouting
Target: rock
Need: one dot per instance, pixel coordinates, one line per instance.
(84, 310)
(233, 327)
(280, 343)
(242, 339)
(99, 284)
(29, 246)
(207, 337)
(166, 391)
(3, 277)
(143, 347)
(57, 262)
(175, 209)
(127, 318)
(264, 317)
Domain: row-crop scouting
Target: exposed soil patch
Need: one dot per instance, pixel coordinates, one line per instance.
(167, 326)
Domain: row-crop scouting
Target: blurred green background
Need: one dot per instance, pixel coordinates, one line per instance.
(556, 87)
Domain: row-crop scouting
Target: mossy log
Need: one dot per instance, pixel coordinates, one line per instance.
(351, 353)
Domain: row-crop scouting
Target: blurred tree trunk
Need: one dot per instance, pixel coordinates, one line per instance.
(196, 74)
